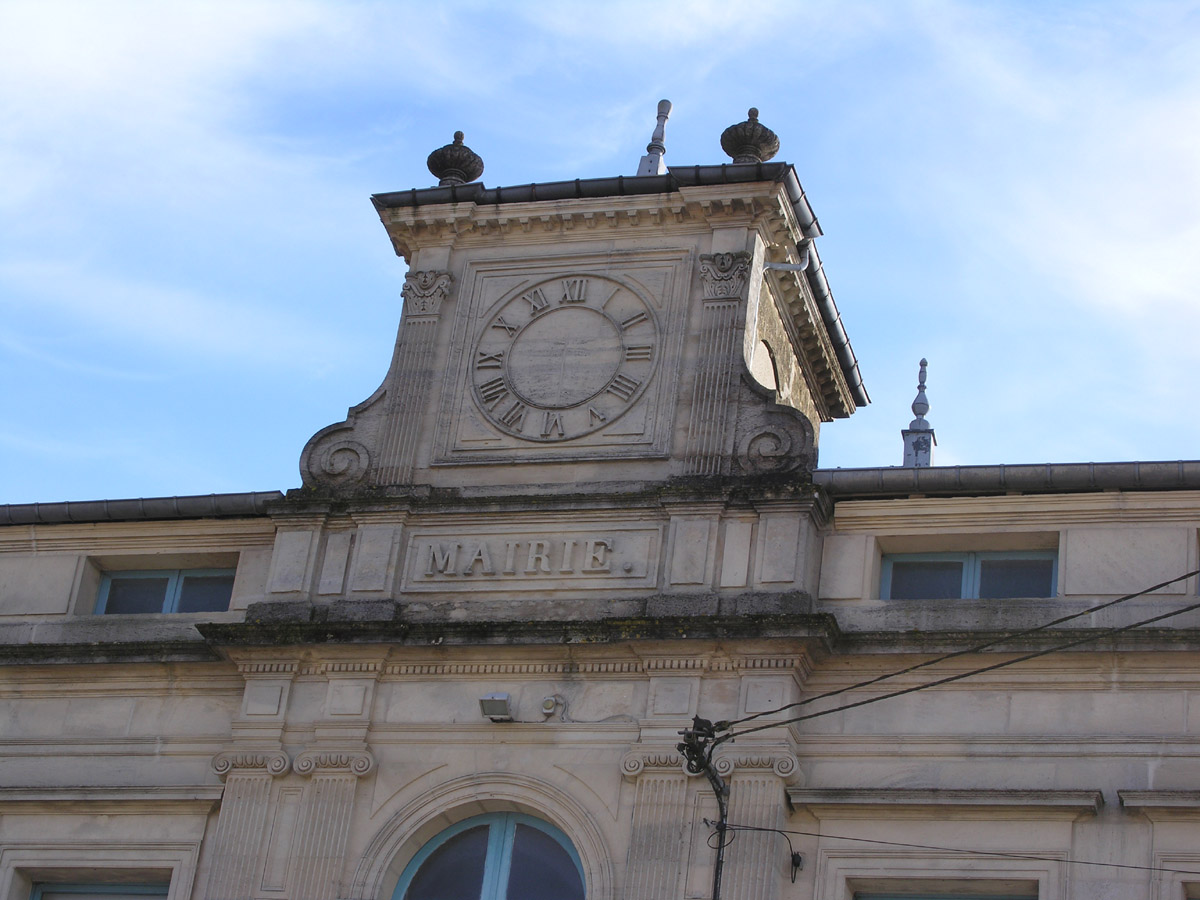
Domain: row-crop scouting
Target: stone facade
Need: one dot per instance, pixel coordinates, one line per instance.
(588, 482)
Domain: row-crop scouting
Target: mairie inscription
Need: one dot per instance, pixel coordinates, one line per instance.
(601, 557)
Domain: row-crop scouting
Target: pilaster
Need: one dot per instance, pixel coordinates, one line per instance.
(242, 823)
(660, 817)
(411, 375)
(754, 865)
(319, 848)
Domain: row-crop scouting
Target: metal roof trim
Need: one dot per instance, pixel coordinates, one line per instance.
(201, 506)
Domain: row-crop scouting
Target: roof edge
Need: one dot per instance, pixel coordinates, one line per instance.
(1044, 478)
(200, 506)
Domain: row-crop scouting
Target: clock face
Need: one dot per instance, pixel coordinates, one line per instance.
(564, 358)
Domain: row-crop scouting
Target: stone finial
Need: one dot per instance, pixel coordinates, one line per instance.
(919, 439)
(455, 163)
(750, 141)
(920, 405)
(652, 163)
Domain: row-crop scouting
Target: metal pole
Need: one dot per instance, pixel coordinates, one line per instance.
(697, 747)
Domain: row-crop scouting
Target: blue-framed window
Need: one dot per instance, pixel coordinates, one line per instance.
(979, 575)
(98, 891)
(495, 857)
(165, 591)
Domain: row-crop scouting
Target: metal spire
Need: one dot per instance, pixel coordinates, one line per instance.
(919, 439)
(652, 163)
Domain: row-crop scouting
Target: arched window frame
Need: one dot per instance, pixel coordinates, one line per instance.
(501, 832)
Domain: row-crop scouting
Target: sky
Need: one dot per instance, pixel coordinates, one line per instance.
(193, 280)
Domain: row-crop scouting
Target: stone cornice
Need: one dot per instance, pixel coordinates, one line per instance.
(128, 798)
(892, 798)
(1175, 800)
(821, 630)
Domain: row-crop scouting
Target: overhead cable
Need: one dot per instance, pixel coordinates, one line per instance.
(1002, 639)
(1095, 636)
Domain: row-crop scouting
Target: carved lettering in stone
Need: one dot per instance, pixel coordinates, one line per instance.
(423, 292)
(552, 372)
(500, 562)
(574, 290)
(724, 275)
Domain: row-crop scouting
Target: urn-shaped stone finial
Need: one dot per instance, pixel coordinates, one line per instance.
(750, 141)
(455, 163)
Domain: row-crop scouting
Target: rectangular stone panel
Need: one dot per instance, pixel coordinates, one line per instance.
(735, 560)
(333, 569)
(36, 584)
(289, 564)
(604, 556)
(373, 557)
(779, 540)
(1123, 560)
(690, 551)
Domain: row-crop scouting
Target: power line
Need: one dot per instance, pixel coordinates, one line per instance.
(1108, 632)
(999, 853)
(1003, 639)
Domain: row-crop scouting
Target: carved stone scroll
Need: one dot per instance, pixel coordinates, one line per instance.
(771, 438)
(318, 853)
(241, 824)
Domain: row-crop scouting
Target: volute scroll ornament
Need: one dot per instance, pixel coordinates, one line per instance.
(772, 439)
(334, 762)
(272, 763)
(663, 759)
(782, 764)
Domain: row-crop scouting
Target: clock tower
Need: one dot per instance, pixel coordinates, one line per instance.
(663, 328)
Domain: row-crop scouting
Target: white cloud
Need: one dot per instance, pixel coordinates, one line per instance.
(167, 320)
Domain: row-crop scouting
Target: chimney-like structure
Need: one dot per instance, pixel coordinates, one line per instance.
(919, 439)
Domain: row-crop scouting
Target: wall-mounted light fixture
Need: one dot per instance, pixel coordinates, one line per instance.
(497, 707)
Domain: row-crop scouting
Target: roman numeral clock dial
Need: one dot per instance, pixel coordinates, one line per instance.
(564, 358)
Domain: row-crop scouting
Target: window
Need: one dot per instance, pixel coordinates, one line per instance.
(165, 590)
(98, 891)
(948, 576)
(495, 857)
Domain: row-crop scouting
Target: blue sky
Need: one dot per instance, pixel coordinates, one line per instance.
(193, 280)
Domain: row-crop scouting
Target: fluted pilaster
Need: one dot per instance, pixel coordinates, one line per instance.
(318, 854)
(241, 824)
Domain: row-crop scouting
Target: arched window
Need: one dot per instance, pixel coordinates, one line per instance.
(501, 856)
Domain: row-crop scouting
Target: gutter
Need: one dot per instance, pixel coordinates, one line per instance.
(1048, 478)
(205, 506)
